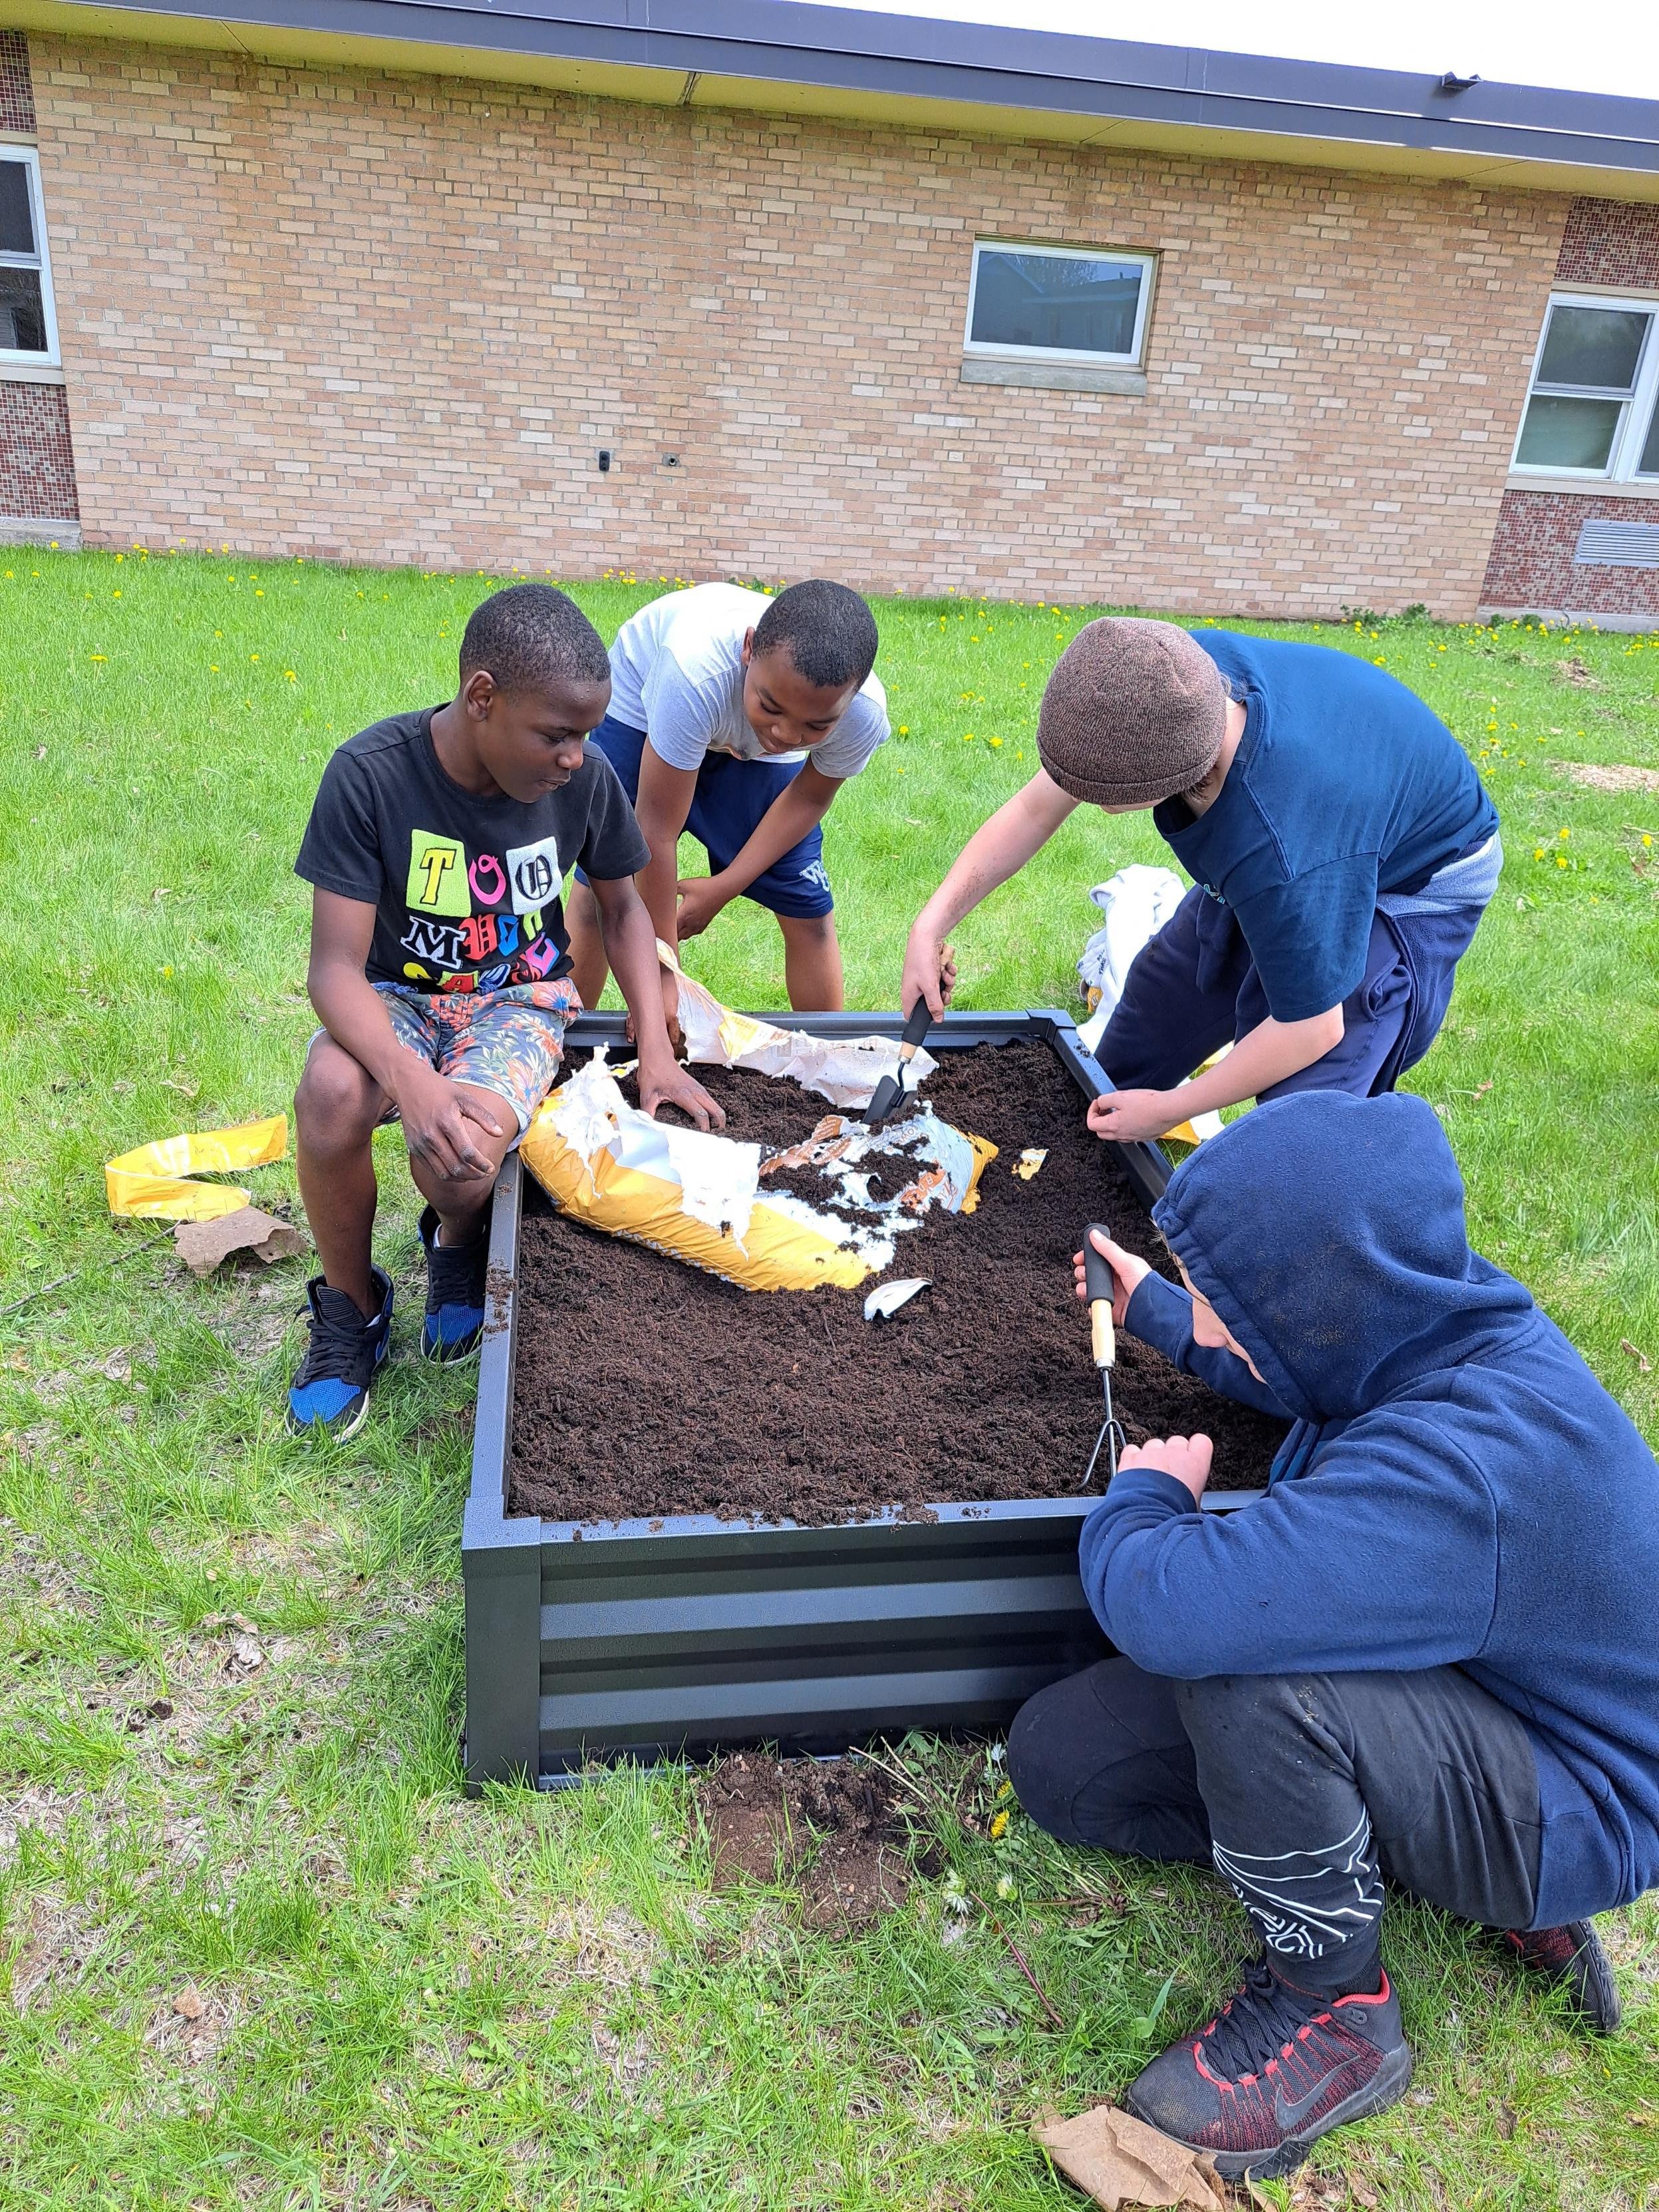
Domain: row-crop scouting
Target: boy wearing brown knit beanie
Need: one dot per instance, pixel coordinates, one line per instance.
(1342, 847)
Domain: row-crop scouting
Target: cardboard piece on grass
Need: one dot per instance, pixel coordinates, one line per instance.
(1118, 2159)
(152, 1181)
(205, 1245)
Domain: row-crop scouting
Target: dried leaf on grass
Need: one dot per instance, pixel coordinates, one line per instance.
(1644, 1365)
(205, 1245)
(1117, 2160)
(189, 2004)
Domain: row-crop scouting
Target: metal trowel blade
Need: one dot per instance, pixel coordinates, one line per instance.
(884, 1098)
(886, 1298)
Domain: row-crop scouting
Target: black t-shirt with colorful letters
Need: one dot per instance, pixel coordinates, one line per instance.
(465, 891)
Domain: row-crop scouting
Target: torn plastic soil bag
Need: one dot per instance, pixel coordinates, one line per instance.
(834, 1207)
(153, 1181)
(843, 1070)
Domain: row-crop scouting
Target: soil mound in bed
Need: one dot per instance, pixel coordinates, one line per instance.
(644, 1387)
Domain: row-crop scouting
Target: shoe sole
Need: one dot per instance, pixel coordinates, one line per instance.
(1386, 2087)
(328, 1429)
(441, 1357)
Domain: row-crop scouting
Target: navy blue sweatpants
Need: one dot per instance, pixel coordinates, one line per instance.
(1194, 988)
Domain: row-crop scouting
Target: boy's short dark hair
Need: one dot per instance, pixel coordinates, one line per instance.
(829, 632)
(529, 638)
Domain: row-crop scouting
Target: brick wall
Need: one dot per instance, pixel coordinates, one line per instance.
(1610, 242)
(390, 317)
(1532, 568)
(37, 465)
(16, 92)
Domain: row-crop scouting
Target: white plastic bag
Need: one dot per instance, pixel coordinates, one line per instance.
(1134, 905)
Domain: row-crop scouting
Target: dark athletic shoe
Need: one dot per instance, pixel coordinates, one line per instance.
(1274, 2071)
(455, 1293)
(1573, 1956)
(330, 1394)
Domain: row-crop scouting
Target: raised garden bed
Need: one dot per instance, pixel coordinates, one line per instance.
(702, 1515)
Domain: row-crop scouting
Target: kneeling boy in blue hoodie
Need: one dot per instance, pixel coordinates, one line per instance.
(1427, 1655)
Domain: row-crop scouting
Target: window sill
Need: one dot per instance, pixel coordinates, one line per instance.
(20, 372)
(1061, 376)
(1585, 487)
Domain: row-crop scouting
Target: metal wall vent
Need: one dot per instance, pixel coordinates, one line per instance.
(1618, 544)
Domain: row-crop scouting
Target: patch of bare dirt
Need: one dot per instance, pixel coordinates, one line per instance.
(832, 1829)
(1574, 671)
(1597, 776)
(55, 1942)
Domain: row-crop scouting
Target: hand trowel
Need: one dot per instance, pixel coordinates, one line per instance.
(1101, 1286)
(890, 1090)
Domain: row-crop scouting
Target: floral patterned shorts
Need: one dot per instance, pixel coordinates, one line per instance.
(510, 1041)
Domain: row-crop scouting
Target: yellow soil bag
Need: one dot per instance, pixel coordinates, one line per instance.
(152, 1180)
(703, 1198)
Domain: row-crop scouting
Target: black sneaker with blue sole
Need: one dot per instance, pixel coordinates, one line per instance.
(455, 1273)
(329, 1395)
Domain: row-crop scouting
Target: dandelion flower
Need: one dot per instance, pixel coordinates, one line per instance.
(998, 1828)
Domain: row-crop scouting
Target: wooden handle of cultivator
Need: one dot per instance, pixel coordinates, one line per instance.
(1101, 1285)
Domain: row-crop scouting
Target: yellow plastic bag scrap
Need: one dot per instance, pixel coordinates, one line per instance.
(153, 1181)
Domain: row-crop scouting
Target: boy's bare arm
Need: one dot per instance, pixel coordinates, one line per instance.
(437, 1114)
(630, 946)
(998, 848)
(661, 809)
(799, 807)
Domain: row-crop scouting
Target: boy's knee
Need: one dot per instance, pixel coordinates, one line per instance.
(1239, 1715)
(809, 928)
(1038, 1767)
(336, 1101)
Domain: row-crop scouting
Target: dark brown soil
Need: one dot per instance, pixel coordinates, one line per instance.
(646, 1387)
(834, 1830)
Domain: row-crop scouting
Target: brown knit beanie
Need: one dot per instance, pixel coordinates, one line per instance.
(1134, 712)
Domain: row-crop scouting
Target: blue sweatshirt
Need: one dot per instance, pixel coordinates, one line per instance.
(1458, 1488)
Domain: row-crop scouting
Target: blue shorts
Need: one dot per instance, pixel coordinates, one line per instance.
(731, 797)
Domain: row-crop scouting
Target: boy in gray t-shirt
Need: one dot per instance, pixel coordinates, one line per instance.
(737, 717)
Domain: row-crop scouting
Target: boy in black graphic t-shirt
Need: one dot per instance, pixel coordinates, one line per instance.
(437, 851)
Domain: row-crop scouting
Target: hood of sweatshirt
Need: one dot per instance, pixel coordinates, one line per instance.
(1328, 1234)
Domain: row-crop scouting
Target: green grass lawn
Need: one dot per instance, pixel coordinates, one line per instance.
(230, 1663)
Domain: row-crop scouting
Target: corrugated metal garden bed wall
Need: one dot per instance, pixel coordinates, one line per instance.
(661, 1638)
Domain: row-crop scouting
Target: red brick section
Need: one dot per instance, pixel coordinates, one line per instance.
(37, 465)
(16, 92)
(1532, 568)
(1610, 242)
(347, 312)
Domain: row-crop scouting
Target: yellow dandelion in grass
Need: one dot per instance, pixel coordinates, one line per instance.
(98, 656)
(994, 741)
(904, 729)
(1563, 833)
(998, 1828)
(1539, 854)
(254, 656)
(1646, 840)
(213, 668)
(967, 737)
(292, 679)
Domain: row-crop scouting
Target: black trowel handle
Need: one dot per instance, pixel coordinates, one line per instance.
(914, 1029)
(1101, 1285)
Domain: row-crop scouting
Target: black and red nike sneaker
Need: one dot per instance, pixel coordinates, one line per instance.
(1274, 2070)
(1572, 1956)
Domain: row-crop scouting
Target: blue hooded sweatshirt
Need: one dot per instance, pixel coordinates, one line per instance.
(1458, 1488)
